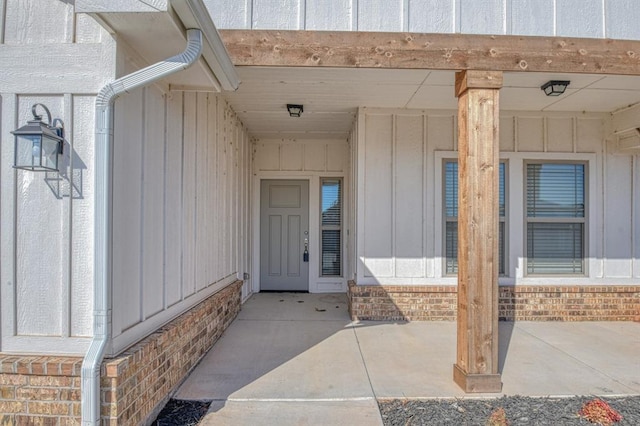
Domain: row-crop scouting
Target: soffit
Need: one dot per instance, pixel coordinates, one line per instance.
(331, 96)
(156, 30)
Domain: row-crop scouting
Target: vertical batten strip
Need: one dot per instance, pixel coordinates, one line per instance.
(141, 276)
(574, 133)
(165, 143)
(182, 139)
(354, 15)
(3, 18)
(211, 168)
(394, 190)
(406, 10)
(302, 14)
(8, 196)
(635, 213)
(67, 227)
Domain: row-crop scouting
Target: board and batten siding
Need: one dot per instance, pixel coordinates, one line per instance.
(180, 204)
(50, 55)
(565, 18)
(306, 159)
(180, 197)
(400, 156)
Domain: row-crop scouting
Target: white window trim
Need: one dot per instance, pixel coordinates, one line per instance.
(516, 228)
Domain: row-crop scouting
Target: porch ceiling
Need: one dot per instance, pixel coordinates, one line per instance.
(331, 96)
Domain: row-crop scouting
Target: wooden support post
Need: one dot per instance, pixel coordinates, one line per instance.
(476, 368)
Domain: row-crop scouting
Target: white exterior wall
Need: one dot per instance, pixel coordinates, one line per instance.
(181, 189)
(569, 18)
(49, 55)
(180, 205)
(400, 155)
(308, 159)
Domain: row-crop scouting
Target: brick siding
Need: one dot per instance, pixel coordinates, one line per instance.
(45, 390)
(516, 303)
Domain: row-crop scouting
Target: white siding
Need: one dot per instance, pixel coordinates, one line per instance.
(181, 181)
(431, 16)
(399, 193)
(185, 152)
(38, 21)
(46, 219)
(588, 23)
(569, 18)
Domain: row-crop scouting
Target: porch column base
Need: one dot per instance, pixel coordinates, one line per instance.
(477, 383)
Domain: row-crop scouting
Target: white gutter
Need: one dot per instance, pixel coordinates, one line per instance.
(102, 227)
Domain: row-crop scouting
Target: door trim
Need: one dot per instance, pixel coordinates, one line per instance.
(315, 282)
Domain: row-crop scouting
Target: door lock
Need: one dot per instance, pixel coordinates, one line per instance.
(305, 254)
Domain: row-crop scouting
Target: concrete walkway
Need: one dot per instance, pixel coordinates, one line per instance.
(297, 359)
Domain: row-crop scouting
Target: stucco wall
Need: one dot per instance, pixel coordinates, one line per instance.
(569, 18)
(399, 193)
(49, 55)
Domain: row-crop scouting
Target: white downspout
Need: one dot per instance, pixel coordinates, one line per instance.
(102, 227)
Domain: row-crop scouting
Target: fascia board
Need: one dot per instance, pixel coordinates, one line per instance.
(194, 14)
(113, 6)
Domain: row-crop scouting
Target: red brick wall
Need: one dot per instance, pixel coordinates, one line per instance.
(516, 303)
(45, 390)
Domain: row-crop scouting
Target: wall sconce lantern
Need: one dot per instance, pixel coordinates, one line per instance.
(555, 87)
(295, 110)
(38, 144)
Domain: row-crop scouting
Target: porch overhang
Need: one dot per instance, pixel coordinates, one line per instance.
(155, 29)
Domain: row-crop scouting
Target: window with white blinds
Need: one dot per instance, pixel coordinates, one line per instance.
(556, 216)
(331, 227)
(451, 218)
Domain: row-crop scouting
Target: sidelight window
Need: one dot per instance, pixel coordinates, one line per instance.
(331, 227)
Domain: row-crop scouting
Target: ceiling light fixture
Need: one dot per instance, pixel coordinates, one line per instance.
(295, 110)
(555, 87)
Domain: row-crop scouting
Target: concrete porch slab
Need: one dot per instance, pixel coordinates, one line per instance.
(298, 359)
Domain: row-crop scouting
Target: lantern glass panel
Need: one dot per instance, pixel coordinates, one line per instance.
(28, 151)
(49, 153)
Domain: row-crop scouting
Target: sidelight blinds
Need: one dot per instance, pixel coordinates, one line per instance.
(331, 227)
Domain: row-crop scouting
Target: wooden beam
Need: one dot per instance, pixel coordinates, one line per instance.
(476, 368)
(432, 51)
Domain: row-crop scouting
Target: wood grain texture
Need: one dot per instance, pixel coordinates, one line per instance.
(432, 51)
(478, 153)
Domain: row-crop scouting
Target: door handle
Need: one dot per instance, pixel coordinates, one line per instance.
(305, 254)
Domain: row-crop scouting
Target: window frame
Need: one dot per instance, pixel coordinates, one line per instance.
(340, 227)
(567, 220)
(454, 219)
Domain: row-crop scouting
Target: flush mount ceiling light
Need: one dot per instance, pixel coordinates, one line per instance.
(295, 110)
(555, 87)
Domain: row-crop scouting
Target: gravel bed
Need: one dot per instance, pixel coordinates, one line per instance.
(519, 411)
(182, 413)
